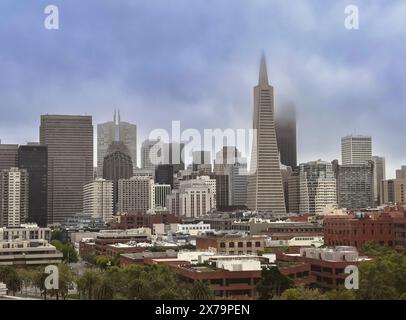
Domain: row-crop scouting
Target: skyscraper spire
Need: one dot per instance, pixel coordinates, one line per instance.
(263, 74)
(117, 126)
(265, 189)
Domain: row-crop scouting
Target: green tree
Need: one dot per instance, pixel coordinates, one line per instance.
(57, 234)
(87, 283)
(69, 253)
(104, 290)
(342, 294)
(201, 291)
(66, 280)
(11, 278)
(272, 283)
(301, 293)
(39, 281)
(27, 278)
(103, 262)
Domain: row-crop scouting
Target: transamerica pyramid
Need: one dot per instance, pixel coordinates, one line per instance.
(265, 190)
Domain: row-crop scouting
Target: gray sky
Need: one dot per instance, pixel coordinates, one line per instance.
(197, 61)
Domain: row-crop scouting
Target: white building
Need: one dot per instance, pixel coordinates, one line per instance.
(193, 199)
(98, 199)
(194, 228)
(13, 196)
(27, 245)
(212, 183)
(356, 149)
(317, 187)
(136, 193)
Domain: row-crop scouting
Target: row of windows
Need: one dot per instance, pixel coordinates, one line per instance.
(240, 244)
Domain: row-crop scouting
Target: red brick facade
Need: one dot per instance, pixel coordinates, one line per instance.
(385, 228)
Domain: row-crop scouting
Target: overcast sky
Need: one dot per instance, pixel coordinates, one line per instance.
(197, 60)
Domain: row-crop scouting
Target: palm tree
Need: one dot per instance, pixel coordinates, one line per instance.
(104, 290)
(88, 282)
(201, 291)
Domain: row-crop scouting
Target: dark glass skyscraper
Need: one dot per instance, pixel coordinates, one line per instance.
(117, 165)
(34, 159)
(164, 174)
(70, 162)
(286, 134)
(8, 156)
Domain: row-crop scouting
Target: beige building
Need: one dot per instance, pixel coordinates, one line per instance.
(98, 199)
(136, 193)
(193, 199)
(393, 191)
(265, 190)
(13, 197)
(27, 245)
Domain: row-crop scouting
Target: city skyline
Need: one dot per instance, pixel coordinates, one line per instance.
(212, 76)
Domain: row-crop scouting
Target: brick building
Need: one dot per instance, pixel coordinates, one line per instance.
(386, 227)
(140, 219)
(326, 265)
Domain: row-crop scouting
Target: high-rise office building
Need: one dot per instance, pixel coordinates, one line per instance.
(13, 197)
(160, 192)
(8, 156)
(317, 185)
(149, 156)
(227, 156)
(98, 199)
(379, 175)
(117, 165)
(401, 173)
(356, 149)
(202, 162)
(237, 183)
(355, 185)
(193, 199)
(164, 174)
(286, 134)
(174, 154)
(70, 162)
(106, 134)
(294, 191)
(135, 194)
(34, 159)
(265, 190)
(286, 172)
(222, 190)
(393, 191)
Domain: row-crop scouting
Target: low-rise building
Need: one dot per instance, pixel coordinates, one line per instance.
(387, 227)
(108, 237)
(194, 228)
(327, 265)
(228, 276)
(140, 219)
(27, 245)
(231, 244)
